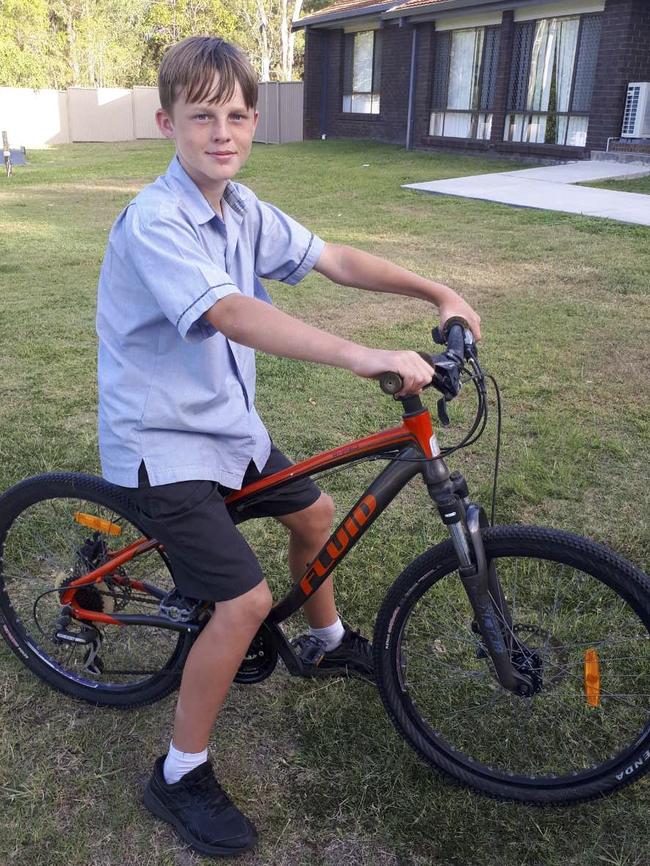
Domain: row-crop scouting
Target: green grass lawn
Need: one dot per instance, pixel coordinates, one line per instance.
(565, 304)
(634, 184)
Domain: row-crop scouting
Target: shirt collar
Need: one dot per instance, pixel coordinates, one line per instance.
(195, 202)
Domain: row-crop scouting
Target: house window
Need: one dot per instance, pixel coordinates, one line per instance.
(464, 82)
(551, 80)
(361, 72)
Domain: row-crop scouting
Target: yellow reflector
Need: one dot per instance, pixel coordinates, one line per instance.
(592, 678)
(97, 523)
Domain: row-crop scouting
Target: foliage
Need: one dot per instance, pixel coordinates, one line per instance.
(168, 21)
(119, 43)
(24, 40)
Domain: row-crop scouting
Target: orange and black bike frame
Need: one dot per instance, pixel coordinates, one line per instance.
(408, 448)
(411, 449)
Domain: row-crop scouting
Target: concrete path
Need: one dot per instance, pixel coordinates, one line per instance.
(550, 188)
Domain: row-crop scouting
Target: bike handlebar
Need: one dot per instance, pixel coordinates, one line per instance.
(446, 376)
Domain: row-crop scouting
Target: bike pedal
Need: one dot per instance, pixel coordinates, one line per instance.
(179, 608)
(309, 649)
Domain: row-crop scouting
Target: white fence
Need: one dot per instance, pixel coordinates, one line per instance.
(35, 118)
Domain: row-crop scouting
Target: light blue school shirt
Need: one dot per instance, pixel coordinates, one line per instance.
(173, 391)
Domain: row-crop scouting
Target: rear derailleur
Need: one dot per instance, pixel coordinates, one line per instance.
(85, 636)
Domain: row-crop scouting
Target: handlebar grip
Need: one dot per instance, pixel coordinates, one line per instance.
(456, 340)
(390, 383)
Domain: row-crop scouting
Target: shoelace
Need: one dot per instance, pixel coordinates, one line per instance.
(358, 643)
(211, 794)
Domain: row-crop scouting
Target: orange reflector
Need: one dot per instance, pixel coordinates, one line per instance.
(592, 678)
(97, 523)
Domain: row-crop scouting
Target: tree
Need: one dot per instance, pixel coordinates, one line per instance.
(168, 21)
(24, 43)
(266, 36)
(99, 41)
(120, 43)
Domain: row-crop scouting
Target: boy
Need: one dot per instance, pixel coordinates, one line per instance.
(180, 312)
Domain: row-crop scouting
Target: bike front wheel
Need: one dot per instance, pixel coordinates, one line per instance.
(580, 631)
(53, 529)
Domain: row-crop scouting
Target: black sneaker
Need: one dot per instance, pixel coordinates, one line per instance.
(352, 657)
(200, 811)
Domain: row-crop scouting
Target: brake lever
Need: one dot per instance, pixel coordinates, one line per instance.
(443, 417)
(449, 382)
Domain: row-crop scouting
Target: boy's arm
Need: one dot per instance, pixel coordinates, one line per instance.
(351, 267)
(261, 326)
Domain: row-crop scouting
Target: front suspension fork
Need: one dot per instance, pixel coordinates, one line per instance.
(465, 520)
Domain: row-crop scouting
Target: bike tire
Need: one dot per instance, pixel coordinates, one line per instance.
(567, 595)
(41, 547)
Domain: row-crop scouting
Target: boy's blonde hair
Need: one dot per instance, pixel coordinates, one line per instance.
(189, 67)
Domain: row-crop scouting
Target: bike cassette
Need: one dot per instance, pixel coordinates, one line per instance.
(99, 596)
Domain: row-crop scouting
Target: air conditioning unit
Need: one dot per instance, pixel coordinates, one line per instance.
(636, 118)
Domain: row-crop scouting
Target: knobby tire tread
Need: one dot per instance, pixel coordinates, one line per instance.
(59, 485)
(501, 541)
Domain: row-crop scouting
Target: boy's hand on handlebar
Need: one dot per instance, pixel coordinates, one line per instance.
(455, 306)
(413, 369)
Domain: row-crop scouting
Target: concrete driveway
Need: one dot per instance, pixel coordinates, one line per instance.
(552, 188)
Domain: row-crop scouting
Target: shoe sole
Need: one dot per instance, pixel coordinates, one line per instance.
(158, 809)
(343, 671)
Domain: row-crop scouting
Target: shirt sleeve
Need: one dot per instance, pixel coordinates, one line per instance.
(284, 249)
(171, 263)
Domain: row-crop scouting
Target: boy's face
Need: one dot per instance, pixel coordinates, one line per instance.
(212, 141)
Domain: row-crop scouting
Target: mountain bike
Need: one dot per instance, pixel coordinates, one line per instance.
(516, 659)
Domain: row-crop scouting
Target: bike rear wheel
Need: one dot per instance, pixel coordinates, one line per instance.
(580, 629)
(54, 528)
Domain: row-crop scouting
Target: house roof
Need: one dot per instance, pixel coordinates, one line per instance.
(418, 6)
(345, 9)
(409, 4)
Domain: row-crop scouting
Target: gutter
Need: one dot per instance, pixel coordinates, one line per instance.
(398, 9)
(445, 8)
(359, 12)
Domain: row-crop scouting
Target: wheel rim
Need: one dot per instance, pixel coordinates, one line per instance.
(559, 613)
(42, 553)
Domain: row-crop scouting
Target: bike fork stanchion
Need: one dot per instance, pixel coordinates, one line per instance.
(464, 526)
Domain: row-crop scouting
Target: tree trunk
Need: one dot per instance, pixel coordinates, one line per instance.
(297, 8)
(284, 41)
(264, 43)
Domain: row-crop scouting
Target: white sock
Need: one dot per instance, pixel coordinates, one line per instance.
(177, 764)
(331, 634)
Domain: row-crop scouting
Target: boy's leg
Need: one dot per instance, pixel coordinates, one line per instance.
(347, 651)
(212, 664)
(309, 530)
(195, 804)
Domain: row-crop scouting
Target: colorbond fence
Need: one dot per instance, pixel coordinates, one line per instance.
(35, 118)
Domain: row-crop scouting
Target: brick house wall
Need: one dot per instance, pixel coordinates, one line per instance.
(390, 125)
(316, 42)
(624, 55)
(424, 65)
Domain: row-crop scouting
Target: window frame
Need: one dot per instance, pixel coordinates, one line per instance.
(529, 118)
(374, 94)
(480, 116)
